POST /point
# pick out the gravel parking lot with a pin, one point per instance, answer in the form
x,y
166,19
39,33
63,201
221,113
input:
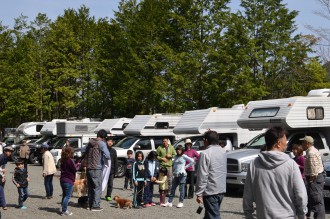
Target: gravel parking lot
x,y
40,208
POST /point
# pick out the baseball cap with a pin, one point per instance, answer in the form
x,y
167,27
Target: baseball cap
x,y
44,145
308,139
8,148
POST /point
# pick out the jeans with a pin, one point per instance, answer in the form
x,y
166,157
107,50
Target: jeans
x,y
2,197
212,205
148,192
48,181
315,197
94,182
178,181
23,194
66,195
110,184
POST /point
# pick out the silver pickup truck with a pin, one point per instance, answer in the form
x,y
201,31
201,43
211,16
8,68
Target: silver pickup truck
x,y
239,160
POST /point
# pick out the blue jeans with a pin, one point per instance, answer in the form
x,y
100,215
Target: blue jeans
x,y
23,194
94,182
181,182
2,196
48,181
212,205
66,195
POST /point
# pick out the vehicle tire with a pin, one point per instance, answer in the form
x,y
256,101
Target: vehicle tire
x,y
121,168
33,159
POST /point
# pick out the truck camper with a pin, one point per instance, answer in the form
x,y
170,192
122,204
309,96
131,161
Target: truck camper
x,y
221,120
145,133
300,116
77,132
49,136
114,128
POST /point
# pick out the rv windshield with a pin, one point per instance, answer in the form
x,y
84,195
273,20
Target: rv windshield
x,y
42,140
257,142
60,143
126,142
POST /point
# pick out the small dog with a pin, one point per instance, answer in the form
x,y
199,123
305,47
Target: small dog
x,y
83,202
123,203
80,186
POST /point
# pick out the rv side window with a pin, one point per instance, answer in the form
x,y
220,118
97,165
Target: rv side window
x,y
145,144
315,113
161,125
264,112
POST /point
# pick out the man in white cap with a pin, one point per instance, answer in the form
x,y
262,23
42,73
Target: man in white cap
x,y
314,178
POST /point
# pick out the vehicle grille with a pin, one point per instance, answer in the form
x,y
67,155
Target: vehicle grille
x,y
232,165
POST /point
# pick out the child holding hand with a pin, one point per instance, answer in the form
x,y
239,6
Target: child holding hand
x,y
163,185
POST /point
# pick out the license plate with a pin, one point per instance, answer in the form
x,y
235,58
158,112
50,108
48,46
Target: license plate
x,y
326,193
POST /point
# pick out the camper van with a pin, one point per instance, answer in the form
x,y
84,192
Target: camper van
x,y
145,133
26,131
114,128
49,136
78,132
300,116
221,120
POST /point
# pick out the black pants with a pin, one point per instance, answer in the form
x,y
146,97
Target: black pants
x,y
128,179
315,197
25,163
138,192
189,191
110,184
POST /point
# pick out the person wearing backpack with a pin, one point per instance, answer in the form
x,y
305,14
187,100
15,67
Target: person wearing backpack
x,y
96,151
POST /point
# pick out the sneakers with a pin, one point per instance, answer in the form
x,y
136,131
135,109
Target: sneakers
x,y
163,205
97,209
168,204
4,208
179,205
23,207
147,205
66,213
153,204
108,198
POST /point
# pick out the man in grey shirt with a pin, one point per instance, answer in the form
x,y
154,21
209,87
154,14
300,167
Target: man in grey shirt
x,y
211,176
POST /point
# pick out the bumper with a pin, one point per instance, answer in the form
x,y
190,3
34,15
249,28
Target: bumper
x,y
236,179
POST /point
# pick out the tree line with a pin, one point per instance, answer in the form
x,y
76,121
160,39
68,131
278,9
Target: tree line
x,y
161,56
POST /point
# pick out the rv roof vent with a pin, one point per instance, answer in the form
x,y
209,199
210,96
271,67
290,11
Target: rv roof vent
x,y
319,93
238,106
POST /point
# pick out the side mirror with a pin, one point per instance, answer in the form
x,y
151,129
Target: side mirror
x,y
136,147
243,145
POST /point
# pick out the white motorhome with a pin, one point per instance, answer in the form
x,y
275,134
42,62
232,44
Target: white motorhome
x,y
145,133
48,135
27,131
300,116
78,132
114,128
221,120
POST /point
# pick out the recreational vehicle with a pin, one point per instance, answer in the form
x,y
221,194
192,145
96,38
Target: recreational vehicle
x,y
114,128
49,136
77,132
221,120
300,116
145,133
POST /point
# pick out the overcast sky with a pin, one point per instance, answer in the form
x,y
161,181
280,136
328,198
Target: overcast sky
x,y
11,9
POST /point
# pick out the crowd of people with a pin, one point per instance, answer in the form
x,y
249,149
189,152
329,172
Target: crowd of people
x,y
276,186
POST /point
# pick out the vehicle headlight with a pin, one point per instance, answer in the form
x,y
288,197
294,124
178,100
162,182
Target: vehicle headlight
x,y
245,167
